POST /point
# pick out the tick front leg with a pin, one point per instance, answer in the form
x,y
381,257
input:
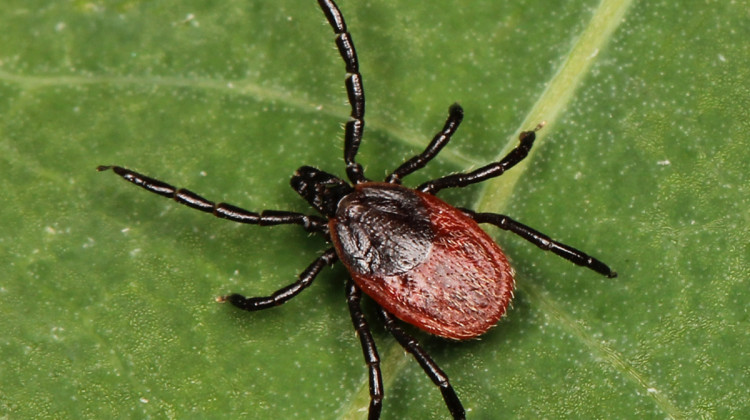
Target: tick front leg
x,y
284,294
220,210
354,90
431,368
543,241
353,297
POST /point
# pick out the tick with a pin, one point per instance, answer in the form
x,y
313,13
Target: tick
x,y
422,261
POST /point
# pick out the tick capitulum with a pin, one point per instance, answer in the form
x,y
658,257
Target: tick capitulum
x,y
420,259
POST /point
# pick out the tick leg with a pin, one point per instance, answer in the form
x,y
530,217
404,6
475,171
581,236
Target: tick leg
x,y
354,89
353,297
486,172
455,116
285,293
439,377
542,241
220,210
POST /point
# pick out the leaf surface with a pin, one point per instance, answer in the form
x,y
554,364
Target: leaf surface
x,y
107,298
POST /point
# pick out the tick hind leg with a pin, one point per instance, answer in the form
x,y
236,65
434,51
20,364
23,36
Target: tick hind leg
x,y
542,241
526,140
220,210
455,116
353,297
285,293
431,368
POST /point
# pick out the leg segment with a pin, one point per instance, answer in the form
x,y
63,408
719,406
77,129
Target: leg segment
x,y
486,172
542,241
354,89
455,116
284,294
220,210
439,377
353,297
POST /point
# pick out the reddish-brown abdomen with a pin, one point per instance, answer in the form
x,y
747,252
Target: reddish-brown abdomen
x,y
456,282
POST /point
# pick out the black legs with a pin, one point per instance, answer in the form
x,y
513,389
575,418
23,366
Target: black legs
x,y
409,343
432,370
356,124
542,241
526,140
220,210
486,172
353,297
455,116
354,90
284,294
369,349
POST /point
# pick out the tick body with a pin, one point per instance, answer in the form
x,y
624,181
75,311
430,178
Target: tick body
x,y
421,260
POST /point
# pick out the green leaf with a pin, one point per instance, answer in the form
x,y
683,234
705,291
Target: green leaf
x,y
107,299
